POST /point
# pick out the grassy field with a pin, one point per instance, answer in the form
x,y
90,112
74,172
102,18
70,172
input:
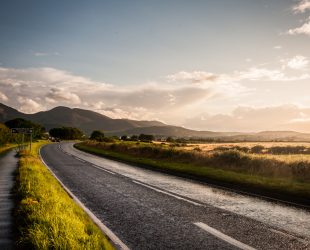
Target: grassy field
x,y
46,217
254,171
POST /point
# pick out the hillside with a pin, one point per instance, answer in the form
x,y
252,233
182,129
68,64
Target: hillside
x,y
176,131
86,120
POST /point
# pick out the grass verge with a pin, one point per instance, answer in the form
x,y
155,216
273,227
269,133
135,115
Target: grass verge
x,y
6,147
276,187
46,217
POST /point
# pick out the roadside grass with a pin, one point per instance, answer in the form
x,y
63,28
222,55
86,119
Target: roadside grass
x,y
45,215
4,148
230,167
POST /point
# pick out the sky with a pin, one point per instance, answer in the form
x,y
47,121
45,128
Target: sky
x,y
226,65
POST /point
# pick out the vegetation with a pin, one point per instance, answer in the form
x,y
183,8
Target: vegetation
x,y
38,130
229,166
97,135
46,216
5,135
146,138
66,133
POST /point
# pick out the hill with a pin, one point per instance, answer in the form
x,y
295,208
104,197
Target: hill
x,y
86,120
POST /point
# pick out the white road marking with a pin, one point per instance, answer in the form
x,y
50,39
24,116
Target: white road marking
x,y
223,237
79,159
161,191
95,166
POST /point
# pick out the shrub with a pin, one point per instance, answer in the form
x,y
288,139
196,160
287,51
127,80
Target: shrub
x,y
97,135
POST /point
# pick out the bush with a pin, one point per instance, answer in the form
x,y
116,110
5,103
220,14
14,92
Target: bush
x,y
258,149
66,133
97,135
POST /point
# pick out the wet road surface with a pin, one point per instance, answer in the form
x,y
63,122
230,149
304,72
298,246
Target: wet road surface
x,y
150,210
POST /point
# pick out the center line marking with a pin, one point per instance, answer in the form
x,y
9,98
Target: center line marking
x,y
95,166
175,196
79,159
223,237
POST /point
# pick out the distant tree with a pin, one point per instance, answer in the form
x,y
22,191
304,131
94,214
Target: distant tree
x,y
124,137
134,138
66,133
38,129
5,134
146,138
170,139
97,135
258,149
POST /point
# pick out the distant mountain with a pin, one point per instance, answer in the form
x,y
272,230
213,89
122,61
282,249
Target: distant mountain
x,y
88,121
175,131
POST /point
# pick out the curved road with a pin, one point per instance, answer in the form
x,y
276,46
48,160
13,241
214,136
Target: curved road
x,y
142,209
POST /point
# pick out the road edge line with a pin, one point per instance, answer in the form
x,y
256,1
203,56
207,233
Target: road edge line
x,y
116,242
223,236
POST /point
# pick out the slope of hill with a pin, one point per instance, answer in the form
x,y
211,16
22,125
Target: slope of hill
x,y
84,119
168,130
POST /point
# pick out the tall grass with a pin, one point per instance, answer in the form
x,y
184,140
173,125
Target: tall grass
x,y
46,217
230,166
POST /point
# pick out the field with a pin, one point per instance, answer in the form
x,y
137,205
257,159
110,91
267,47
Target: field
x,y
281,175
46,217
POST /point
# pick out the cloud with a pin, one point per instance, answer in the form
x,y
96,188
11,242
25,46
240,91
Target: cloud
x,y
3,97
182,94
304,29
42,54
28,105
194,76
298,62
302,6
249,119
251,74
278,47
59,94
56,87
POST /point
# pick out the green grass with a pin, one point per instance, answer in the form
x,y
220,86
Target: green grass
x,y
220,168
46,217
4,148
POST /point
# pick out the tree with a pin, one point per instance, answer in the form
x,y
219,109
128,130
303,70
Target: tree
x,y
146,138
134,138
38,130
124,137
5,134
97,135
66,133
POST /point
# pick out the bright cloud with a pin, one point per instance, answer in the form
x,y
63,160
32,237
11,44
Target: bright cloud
x,y
28,105
249,119
195,76
298,62
60,94
302,6
3,97
55,87
304,29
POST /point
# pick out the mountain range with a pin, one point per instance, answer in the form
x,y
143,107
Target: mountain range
x,y
88,121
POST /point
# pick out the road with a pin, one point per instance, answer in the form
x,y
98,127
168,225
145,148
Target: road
x,y
151,210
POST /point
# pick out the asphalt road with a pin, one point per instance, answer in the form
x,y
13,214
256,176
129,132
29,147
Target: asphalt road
x,y
145,216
